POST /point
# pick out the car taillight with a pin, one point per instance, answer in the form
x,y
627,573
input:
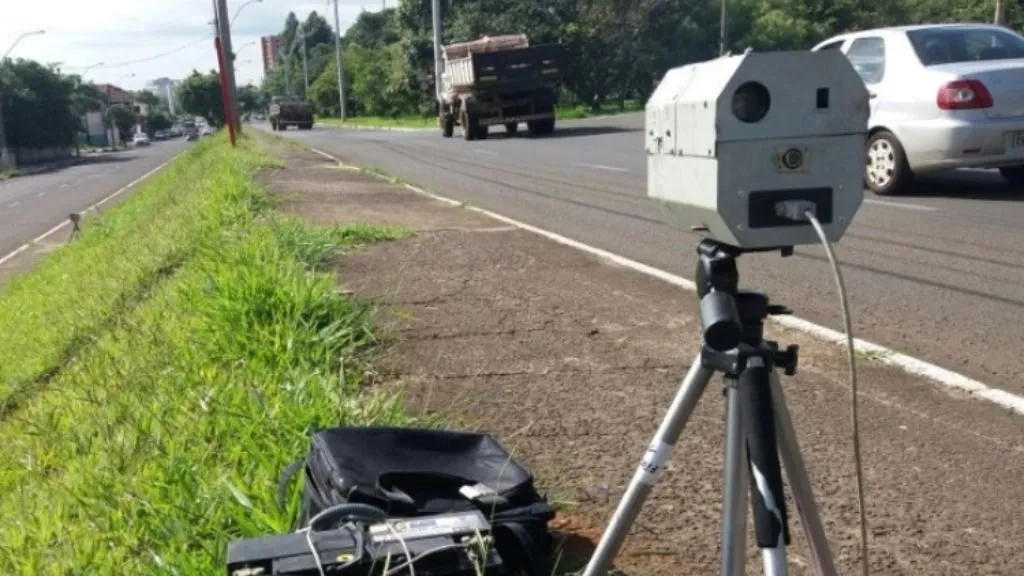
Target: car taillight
x,y
964,95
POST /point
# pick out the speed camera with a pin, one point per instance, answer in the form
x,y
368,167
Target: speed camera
x,y
741,146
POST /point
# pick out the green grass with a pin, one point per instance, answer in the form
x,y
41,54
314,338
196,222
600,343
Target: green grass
x,y
430,122
158,373
7,174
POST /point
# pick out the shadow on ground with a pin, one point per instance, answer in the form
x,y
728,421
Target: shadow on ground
x,y
574,544
85,159
583,131
966,184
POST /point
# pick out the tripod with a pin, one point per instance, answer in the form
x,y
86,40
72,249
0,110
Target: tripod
x,y
759,430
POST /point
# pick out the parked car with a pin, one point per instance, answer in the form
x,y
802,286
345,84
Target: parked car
x,y
943,96
140,139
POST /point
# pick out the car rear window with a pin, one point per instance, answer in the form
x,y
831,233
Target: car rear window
x,y
936,46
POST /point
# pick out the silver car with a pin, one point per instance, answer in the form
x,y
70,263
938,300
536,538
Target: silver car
x,y
943,96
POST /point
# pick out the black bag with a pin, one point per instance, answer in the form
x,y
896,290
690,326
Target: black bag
x,y
411,472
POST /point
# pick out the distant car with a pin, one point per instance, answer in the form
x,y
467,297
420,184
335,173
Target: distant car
x,y
140,139
943,96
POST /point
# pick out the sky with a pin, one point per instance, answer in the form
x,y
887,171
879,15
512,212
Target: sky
x,y
141,40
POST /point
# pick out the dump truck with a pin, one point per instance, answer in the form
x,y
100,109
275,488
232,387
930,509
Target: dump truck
x,y
287,111
498,80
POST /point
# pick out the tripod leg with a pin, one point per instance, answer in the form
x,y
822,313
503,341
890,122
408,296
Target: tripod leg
x,y
800,484
767,499
651,466
734,500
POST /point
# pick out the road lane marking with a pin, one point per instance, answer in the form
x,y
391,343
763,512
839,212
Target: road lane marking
x,y
65,223
41,194
488,152
599,167
13,204
903,205
909,364
64,185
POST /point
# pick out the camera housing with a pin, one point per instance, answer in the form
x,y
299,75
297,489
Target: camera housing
x,y
739,146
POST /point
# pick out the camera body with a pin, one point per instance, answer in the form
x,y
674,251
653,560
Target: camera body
x,y
734,142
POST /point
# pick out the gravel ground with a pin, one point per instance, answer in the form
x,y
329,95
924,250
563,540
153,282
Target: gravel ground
x,y
571,362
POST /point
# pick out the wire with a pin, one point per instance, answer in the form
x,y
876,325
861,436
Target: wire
x,y
852,357
408,563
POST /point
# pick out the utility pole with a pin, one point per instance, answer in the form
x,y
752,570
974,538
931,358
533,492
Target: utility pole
x,y
1000,18
305,69
224,34
723,32
337,57
438,63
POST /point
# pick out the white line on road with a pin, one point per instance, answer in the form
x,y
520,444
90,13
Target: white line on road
x,y
488,152
41,194
63,224
13,204
64,185
909,364
599,167
904,205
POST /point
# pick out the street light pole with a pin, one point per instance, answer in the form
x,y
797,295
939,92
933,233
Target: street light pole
x,y
19,39
337,57
7,160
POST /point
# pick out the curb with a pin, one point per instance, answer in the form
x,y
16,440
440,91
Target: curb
x,y
908,364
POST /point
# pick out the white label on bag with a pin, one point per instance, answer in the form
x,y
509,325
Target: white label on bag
x,y
654,461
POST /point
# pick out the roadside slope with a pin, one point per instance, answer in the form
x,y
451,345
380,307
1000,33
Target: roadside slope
x,y
158,373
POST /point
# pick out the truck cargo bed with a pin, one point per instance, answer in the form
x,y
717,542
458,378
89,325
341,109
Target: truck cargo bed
x,y
515,70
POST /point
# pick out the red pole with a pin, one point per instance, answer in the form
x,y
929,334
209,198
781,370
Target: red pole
x,y
228,112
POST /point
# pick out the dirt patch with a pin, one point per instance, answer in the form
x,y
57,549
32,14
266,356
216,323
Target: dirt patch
x,y
572,362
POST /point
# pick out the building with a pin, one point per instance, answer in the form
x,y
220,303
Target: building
x,y
269,45
116,95
165,89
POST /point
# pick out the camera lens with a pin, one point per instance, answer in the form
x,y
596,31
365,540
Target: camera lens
x,y
751,102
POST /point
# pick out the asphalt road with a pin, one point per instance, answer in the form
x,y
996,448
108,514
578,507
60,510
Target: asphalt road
x,y
31,205
938,274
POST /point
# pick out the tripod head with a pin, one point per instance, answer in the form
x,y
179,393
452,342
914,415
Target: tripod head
x,y
729,315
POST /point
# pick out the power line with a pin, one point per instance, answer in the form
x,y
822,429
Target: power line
x,y
150,58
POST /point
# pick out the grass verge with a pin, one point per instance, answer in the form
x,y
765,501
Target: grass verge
x,y
157,374
416,122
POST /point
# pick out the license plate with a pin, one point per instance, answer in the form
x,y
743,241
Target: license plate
x,y
1017,141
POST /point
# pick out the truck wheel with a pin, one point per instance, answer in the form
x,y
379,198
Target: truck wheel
x,y
541,127
447,126
470,126
482,132
512,128
273,126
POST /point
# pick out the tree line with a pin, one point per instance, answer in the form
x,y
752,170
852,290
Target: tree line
x,y
615,50
45,108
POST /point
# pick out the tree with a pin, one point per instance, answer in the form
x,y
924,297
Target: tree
x,y
37,105
147,97
157,121
200,95
251,99
122,118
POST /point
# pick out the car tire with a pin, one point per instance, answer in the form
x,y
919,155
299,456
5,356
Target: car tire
x,y
1014,175
886,171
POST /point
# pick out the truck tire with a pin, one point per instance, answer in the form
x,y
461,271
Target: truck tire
x,y
541,127
447,126
273,126
470,126
482,132
512,128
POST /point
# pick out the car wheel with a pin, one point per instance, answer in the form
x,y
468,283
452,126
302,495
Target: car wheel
x,y
1014,175
887,171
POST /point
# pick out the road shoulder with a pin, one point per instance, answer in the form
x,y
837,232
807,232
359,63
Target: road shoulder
x,y
572,361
